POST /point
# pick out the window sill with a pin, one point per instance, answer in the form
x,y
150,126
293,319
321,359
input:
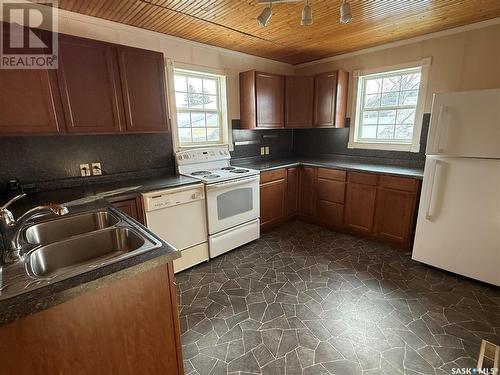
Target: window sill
x,y
384,146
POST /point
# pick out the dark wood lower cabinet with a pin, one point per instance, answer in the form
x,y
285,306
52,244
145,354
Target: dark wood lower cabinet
x,y
378,207
307,193
130,326
394,215
272,202
292,191
131,206
360,207
330,214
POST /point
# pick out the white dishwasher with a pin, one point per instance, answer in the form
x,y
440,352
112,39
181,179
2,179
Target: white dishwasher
x,y
178,216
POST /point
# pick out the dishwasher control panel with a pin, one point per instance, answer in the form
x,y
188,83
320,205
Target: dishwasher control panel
x,y
172,197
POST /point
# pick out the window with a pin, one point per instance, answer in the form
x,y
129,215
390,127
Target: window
x,y
200,108
389,109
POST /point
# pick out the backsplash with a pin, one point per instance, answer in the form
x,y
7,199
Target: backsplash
x,y
46,159
279,141
307,142
319,142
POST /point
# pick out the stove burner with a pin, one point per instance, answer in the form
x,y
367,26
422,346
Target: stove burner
x,y
228,168
210,176
240,171
201,173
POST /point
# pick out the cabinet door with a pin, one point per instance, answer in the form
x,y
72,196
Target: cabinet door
x,y
272,201
394,216
298,101
270,102
89,83
144,91
325,89
330,214
307,200
292,190
332,191
131,207
360,207
29,102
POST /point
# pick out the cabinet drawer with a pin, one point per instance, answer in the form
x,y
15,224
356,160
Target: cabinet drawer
x,y
331,214
331,191
331,174
363,178
273,175
398,183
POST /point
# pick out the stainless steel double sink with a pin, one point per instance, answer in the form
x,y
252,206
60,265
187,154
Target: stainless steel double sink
x,y
69,245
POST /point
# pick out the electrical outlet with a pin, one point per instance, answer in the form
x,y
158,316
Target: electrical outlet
x,y
267,150
262,150
96,169
85,170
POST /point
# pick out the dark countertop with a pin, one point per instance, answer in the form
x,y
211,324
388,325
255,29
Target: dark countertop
x,y
85,194
80,199
340,162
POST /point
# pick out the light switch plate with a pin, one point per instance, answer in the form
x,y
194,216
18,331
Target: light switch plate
x,y
85,170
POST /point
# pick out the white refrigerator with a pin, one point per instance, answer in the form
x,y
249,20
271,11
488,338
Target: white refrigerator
x,y
458,224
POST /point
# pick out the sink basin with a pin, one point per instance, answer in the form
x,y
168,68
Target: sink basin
x,y
68,226
83,251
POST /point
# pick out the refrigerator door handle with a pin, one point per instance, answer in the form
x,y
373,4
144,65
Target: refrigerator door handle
x,y
442,130
430,205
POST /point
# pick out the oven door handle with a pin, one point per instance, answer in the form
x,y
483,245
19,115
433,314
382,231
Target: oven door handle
x,y
225,184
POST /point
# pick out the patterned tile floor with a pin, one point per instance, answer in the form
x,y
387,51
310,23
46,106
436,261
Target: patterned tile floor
x,y
307,300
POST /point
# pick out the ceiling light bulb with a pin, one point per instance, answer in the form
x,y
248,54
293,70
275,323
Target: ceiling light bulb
x,y
307,15
265,16
345,12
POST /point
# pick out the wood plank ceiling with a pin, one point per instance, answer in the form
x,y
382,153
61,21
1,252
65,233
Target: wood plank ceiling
x,y
232,23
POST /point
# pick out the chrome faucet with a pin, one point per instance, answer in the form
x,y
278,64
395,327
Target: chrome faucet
x,y
10,229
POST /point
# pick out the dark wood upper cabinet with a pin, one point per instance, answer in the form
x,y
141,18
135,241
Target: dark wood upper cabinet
x,y
299,101
98,87
261,100
270,101
330,99
90,86
143,85
29,102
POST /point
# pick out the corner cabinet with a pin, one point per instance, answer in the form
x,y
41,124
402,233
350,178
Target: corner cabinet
x,y
270,101
330,99
99,87
261,100
374,206
299,101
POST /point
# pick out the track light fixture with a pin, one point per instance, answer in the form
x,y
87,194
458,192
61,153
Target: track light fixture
x,y
345,12
265,15
307,15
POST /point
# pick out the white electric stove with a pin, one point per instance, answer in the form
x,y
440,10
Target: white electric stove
x,y
233,206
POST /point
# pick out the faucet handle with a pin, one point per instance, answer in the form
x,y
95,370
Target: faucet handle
x,y
16,198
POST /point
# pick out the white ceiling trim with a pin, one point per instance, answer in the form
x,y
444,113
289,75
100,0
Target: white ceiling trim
x,y
437,34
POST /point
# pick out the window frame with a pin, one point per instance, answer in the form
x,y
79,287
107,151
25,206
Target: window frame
x,y
357,100
221,106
